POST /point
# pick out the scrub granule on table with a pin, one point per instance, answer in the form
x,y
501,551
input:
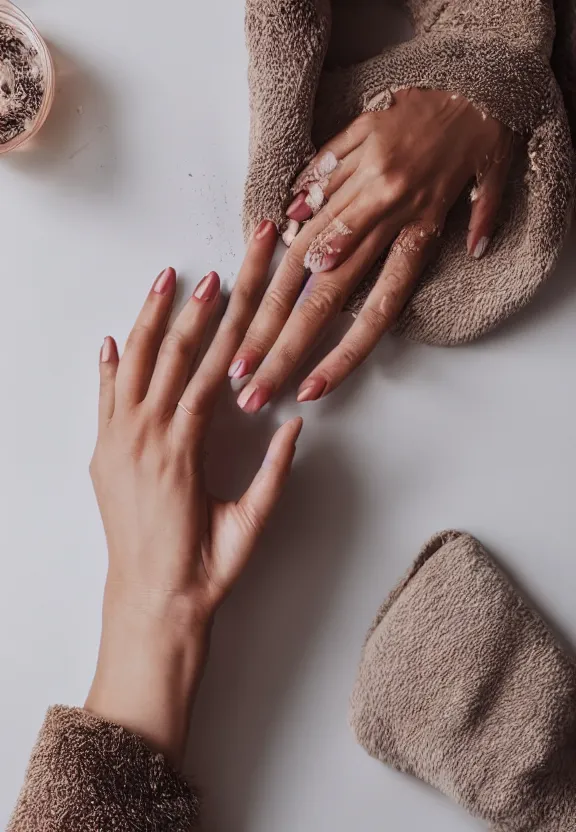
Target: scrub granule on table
x,y
22,83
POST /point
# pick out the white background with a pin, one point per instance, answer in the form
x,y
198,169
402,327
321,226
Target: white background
x,y
141,166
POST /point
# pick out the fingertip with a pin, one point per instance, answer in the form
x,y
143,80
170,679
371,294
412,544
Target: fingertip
x,y
165,282
266,230
299,210
208,288
108,350
294,427
311,390
283,444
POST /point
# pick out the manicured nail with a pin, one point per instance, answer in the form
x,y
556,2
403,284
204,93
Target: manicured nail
x,y
251,400
208,287
316,198
319,262
291,232
265,227
164,281
327,164
299,210
106,351
481,247
310,391
238,369
276,445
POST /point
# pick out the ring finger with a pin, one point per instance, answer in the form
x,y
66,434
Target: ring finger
x,y
181,346
321,300
408,257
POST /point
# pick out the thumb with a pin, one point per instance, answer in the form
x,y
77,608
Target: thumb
x,y
264,492
486,199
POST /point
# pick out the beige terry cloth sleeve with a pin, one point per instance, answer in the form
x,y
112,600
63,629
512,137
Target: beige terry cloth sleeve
x,y
496,54
89,775
463,685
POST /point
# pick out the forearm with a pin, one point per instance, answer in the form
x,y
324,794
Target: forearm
x,y
151,659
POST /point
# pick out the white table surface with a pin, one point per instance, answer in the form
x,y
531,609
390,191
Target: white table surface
x,y
142,165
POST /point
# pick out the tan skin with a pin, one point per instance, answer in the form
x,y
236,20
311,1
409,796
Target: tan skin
x,y
395,175
175,551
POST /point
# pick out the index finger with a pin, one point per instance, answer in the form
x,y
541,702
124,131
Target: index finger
x,y
200,395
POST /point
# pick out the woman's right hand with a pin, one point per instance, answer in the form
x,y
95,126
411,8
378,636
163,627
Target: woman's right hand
x,y
174,550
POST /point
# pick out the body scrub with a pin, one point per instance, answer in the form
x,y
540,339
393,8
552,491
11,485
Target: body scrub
x,y
26,79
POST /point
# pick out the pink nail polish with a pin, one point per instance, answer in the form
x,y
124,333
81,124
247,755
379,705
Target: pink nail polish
x,y
318,263
265,228
238,369
106,351
208,287
299,209
164,281
480,248
252,400
310,391
290,233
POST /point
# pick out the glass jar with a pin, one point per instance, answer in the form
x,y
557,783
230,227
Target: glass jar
x,y
11,15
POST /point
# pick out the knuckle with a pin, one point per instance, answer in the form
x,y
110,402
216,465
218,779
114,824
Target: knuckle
x,y
255,345
275,302
243,295
366,122
351,354
141,332
377,319
175,344
252,520
395,187
325,300
288,356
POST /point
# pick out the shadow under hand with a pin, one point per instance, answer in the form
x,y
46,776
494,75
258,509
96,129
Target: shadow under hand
x,y
76,143
265,631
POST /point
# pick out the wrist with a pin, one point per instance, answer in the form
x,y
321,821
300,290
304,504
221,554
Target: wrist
x,y
151,659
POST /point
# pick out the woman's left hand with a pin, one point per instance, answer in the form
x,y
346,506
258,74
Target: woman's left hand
x,y
390,178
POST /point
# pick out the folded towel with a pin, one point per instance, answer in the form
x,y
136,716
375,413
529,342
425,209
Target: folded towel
x,y
463,685
495,54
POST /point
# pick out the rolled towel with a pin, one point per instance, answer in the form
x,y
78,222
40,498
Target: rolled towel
x,y
463,685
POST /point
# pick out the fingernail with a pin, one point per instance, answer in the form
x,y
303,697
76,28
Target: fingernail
x,y
481,247
295,204
263,229
318,262
208,287
106,351
291,232
238,369
299,210
316,198
164,281
272,452
251,400
327,164
310,391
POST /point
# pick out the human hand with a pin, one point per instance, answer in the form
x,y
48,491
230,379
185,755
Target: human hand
x,y
390,178
174,550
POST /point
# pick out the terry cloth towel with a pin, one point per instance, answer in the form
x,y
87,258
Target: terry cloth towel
x,y
496,54
88,775
462,685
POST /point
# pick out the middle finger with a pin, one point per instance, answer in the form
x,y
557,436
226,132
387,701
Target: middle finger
x,y
321,300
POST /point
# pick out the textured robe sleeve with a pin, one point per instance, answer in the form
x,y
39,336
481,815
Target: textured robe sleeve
x,y
89,775
496,54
